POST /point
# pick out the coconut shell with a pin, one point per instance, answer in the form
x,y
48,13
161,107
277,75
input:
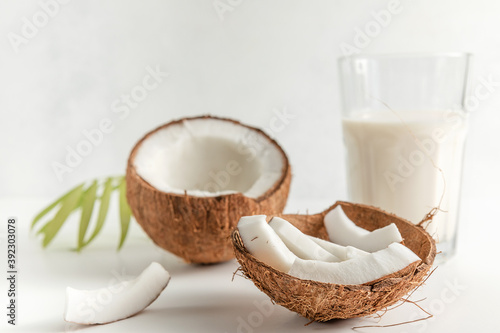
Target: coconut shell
x,y
198,229
319,301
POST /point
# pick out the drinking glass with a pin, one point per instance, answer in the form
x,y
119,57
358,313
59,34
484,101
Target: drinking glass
x,y
404,124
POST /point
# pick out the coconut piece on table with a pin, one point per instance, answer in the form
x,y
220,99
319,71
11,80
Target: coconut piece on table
x,y
341,230
342,252
264,244
299,243
122,300
358,270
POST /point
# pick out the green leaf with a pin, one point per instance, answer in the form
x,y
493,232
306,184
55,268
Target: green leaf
x,y
124,213
47,225
68,205
87,205
52,206
79,197
103,209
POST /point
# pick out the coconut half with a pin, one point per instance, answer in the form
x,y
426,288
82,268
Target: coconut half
x,y
190,181
319,301
116,302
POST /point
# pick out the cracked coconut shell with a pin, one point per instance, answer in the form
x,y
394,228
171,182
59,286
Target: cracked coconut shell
x,y
325,301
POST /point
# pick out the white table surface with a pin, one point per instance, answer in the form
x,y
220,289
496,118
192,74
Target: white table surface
x,y
462,294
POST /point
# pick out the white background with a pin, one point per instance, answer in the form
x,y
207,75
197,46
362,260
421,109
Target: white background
x,y
257,59
264,56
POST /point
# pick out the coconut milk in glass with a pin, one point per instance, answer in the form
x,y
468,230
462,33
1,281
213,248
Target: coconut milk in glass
x,y
404,126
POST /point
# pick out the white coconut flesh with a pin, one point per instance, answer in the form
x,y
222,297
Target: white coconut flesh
x,y
300,244
264,244
270,244
341,252
341,230
116,302
358,270
209,157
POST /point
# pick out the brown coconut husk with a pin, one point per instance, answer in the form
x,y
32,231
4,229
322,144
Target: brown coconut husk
x,y
198,229
319,301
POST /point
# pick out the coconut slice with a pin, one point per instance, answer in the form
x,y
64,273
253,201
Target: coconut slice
x,y
343,231
342,252
261,240
359,270
190,181
116,302
319,301
287,249
299,243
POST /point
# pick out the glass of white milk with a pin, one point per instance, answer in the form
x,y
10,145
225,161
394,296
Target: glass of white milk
x,y
404,125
